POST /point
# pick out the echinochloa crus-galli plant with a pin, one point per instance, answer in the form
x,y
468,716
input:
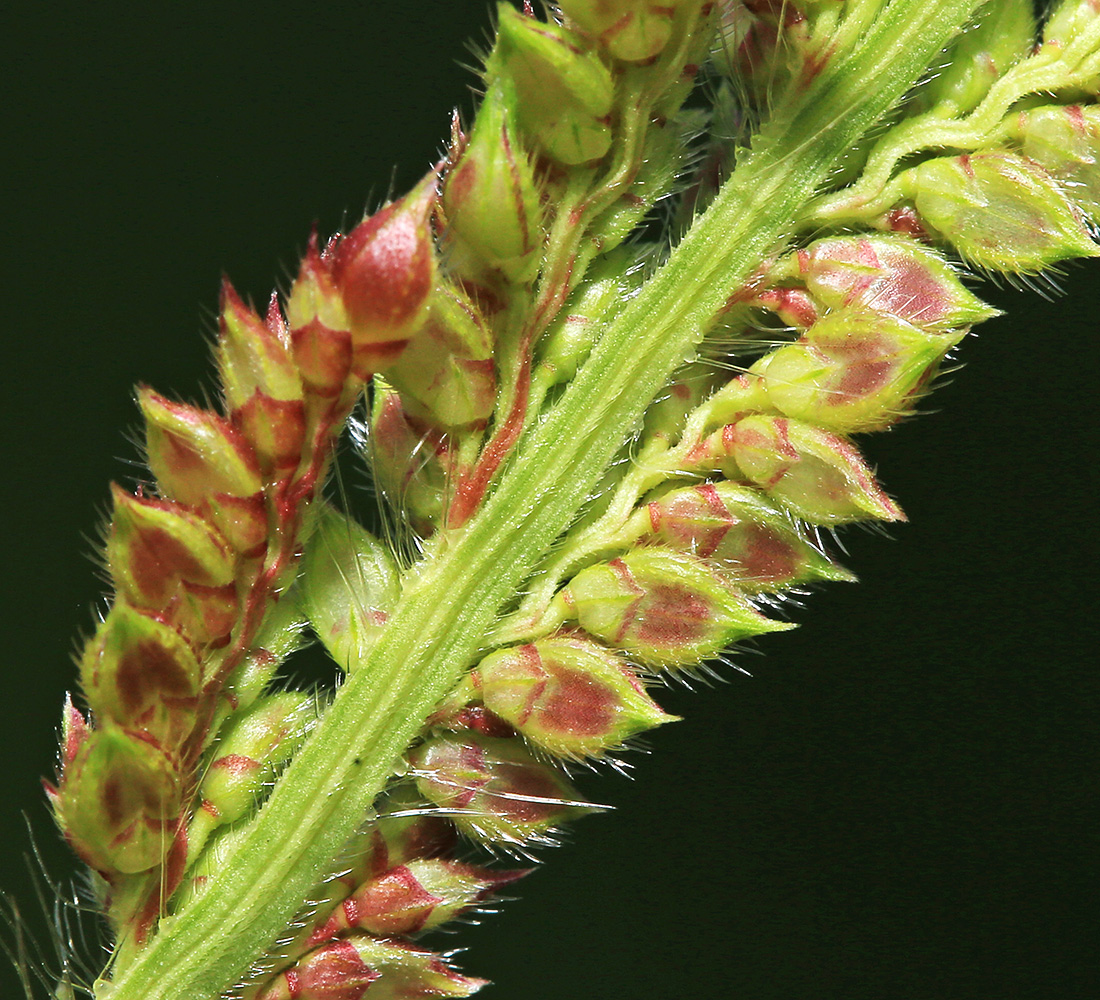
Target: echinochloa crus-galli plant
x,y
610,363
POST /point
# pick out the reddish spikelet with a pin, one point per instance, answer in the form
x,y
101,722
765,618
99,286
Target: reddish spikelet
x,y
195,454
119,800
253,353
384,270
263,389
393,841
319,327
853,370
202,461
668,608
817,475
567,695
207,614
142,674
738,530
276,429
894,275
332,972
154,545
348,968
417,896
74,731
498,792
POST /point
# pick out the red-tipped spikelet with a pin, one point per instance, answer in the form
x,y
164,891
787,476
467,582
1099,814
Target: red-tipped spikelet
x,y
567,695
360,965
408,898
320,333
493,789
384,271
262,386
817,475
889,274
668,608
852,370
195,454
142,674
201,460
119,800
154,546
750,539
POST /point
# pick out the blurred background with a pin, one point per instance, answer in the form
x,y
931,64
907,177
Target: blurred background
x,y
898,803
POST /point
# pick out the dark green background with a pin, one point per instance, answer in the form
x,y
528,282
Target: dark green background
x,y
898,804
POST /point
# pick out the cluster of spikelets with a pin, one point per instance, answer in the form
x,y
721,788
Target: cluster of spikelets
x,y
183,734
467,305
200,561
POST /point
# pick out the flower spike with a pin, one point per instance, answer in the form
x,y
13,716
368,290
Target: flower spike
x,y
603,433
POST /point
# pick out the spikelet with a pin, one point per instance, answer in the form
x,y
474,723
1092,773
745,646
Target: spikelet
x,y
999,211
391,970
494,789
753,540
567,695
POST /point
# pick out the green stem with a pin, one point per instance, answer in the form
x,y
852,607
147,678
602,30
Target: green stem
x,y
452,600
874,193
